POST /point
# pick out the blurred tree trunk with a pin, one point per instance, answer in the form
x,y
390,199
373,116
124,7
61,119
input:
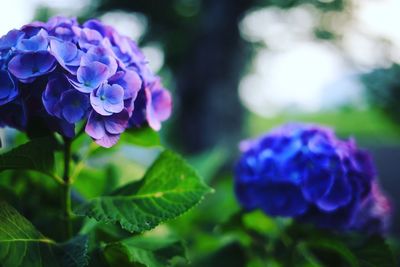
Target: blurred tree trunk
x,y
210,112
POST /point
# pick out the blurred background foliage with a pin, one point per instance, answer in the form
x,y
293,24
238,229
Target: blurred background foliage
x,y
239,68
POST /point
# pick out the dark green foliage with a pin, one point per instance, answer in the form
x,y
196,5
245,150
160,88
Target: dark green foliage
x,y
169,188
37,155
144,137
383,89
21,245
146,251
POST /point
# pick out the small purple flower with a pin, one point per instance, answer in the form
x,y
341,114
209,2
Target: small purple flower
x,y
304,171
108,99
31,65
106,130
8,87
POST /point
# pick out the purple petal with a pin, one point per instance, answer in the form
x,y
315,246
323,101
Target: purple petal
x,y
158,107
162,103
88,37
117,123
108,140
95,126
130,81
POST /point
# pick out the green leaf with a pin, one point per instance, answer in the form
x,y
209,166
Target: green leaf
x,y
331,248
74,252
375,253
168,189
37,155
261,223
336,247
147,251
21,245
145,137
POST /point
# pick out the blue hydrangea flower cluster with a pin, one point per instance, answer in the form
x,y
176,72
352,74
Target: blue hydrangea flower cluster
x,y
63,73
303,171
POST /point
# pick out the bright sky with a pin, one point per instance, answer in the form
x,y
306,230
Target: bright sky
x,y
296,72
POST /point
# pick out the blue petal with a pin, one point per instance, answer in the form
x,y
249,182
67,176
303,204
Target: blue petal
x,y
91,77
30,65
74,105
52,94
37,42
65,52
8,88
10,39
340,194
316,183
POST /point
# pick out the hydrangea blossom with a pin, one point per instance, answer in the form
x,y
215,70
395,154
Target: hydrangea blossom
x,y
64,73
304,171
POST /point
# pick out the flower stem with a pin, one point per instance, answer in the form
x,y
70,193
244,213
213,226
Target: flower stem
x,y
66,190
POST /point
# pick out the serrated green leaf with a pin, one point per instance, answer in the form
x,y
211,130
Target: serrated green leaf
x,y
147,251
21,245
37,155
145,137
168,189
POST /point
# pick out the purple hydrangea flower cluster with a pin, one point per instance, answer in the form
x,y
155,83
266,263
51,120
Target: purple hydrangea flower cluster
x,y
64,73
304,171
